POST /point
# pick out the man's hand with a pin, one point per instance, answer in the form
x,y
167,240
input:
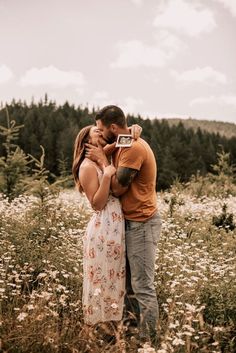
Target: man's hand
x,y
135,131
96,154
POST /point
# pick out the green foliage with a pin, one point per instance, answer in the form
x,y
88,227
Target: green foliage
x,y
39,185
225,177
175,198
20,173
221,182
224,220
65,176
223,128
180,151
14,164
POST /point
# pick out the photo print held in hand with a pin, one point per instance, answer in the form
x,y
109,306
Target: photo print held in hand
x,y
124,140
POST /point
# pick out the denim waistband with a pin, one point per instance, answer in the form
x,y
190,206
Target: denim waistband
x,y
128,222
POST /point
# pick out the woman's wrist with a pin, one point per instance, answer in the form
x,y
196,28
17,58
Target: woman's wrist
x,y
103,162
106,176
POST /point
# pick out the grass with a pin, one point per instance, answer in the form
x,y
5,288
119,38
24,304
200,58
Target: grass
x,y
41,278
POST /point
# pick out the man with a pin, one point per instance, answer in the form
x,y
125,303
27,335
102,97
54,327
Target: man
x,y
134,183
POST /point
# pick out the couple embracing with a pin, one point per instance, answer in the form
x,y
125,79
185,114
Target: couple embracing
x,y
121,238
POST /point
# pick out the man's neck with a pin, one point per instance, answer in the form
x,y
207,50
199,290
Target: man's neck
x,y
124,131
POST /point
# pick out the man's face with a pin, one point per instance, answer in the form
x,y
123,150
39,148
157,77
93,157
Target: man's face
x,y
107,133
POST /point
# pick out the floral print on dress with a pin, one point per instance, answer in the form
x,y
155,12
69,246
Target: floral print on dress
x,y
104,264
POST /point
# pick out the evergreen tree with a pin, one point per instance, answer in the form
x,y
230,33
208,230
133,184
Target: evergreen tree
x,y
14,164
180,152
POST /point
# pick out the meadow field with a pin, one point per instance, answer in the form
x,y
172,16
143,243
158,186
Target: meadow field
x,y
41,276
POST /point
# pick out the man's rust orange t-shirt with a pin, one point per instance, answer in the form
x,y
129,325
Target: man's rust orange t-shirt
x,y
139,202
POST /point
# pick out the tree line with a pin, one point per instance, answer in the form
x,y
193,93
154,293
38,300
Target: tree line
x,y
180,152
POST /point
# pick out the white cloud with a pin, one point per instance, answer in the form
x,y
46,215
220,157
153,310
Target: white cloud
x,y
135,53
203,100
5,74
101,95
229,100
216,100
137,2
207,75
131,105
230,5
185,17
51,76
100,99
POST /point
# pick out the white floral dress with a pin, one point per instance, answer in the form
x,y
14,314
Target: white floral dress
x,y
104,264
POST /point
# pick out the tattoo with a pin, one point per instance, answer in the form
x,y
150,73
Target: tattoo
x,y
125,175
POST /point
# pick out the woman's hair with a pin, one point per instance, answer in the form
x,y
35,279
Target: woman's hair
x,y
79,153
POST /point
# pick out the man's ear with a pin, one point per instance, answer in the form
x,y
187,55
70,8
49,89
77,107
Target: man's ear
x,y
113,128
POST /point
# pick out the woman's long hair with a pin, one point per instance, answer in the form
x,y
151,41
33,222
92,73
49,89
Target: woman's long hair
x,y
79,153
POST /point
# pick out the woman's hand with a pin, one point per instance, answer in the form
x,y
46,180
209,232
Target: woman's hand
x,y
109,171
135,131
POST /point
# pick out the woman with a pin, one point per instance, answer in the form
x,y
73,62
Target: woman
x,y
104,243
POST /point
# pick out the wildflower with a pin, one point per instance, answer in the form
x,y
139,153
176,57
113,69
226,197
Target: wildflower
x,y
174,325
41,275
190,307
97,292
215,343
146,349
178,342
22,316
218,329
30,307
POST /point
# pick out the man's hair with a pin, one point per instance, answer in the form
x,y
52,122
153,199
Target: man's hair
x,y
111,114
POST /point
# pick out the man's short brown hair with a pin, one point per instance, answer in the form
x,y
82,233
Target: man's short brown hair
x,y
111,114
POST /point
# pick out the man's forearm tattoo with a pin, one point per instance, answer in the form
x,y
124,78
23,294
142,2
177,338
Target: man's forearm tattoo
x,y
125,176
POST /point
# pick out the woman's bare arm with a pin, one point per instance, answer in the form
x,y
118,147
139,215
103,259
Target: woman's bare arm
x,y
96,194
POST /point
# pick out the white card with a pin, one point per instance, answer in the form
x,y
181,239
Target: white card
x,y
124,140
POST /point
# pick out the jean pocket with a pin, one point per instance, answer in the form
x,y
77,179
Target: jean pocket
x,y
156,231
132,225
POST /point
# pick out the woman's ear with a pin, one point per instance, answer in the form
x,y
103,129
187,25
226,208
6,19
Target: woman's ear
x,y
88,139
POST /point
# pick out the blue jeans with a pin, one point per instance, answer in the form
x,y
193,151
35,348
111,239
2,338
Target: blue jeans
x,y
141,300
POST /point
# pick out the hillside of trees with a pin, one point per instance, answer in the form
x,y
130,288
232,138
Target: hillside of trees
x,y
223,128
180,151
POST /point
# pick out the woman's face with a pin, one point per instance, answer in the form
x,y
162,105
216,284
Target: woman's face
x,y
95,137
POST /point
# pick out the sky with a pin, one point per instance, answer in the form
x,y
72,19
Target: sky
x,y
156,58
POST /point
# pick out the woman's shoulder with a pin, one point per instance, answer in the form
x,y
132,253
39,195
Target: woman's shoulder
x,y
88,165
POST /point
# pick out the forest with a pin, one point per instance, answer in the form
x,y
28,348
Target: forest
x,y
180,151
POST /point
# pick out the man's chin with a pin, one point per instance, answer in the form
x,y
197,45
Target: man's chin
x,y
111,139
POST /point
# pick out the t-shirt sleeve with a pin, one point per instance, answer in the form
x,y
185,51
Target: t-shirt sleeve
x,y
132,157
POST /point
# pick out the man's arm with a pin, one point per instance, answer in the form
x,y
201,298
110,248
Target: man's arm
x,y
122,180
